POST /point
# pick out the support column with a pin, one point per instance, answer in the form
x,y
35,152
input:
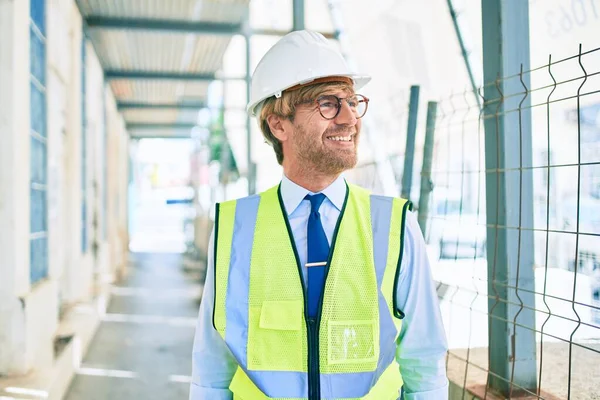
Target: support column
x,y
14,148
509,198
71,290
251,168
14,182
27,314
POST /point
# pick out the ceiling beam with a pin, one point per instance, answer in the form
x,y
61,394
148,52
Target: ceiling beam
x,y
277,32
157,75
159,126
185,26
114,74
133,105
182,26
159,136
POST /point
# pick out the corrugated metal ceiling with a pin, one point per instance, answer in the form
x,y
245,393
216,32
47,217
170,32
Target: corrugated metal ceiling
x,y
159,91
160,116
164,52
155,51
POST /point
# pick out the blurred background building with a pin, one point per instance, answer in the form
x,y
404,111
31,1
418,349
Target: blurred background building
x,y
122,122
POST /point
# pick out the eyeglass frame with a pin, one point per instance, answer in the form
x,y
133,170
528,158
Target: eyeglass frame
x,y
339,102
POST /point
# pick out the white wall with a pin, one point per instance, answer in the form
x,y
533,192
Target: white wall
x,y
29,314
14,182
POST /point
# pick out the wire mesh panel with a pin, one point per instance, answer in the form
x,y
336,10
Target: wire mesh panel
x,y
561,306
38,142
553,294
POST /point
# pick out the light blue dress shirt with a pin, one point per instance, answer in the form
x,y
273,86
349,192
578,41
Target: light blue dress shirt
x,y
421,350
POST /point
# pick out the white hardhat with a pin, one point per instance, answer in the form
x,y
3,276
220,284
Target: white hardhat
x,y
298,58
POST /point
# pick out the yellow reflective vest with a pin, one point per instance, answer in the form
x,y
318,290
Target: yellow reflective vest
x,y
348,351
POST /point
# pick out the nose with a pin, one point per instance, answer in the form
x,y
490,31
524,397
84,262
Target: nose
x,y
346,116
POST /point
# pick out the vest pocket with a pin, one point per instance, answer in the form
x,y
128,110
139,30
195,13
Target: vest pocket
x,y
351,342
275,336
281,315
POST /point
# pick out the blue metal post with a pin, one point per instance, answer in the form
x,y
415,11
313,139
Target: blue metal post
x,y
411,132
466,53
298,15
509,198
426,184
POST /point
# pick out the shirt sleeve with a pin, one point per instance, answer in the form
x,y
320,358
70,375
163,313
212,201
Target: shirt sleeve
x,y
213,366
422,345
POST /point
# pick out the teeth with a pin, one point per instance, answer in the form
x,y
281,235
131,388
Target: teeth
x,y
341,138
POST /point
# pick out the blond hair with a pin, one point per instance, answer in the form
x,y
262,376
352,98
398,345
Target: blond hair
x,y
285,107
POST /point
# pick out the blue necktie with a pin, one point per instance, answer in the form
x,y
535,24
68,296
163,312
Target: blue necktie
x,y
318,253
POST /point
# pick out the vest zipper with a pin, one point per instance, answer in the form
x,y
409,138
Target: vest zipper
x,y
314,378
313,324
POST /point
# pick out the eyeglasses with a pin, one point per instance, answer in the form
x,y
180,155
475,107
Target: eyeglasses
x,y
329,105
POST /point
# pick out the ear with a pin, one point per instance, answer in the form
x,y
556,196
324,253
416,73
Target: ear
x,y
278,127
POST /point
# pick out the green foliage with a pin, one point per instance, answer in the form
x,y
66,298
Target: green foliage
x,y
218,142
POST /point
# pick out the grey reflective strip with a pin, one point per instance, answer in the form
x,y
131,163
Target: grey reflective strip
x,y
295,384
236,303
347,386
281,384
381,218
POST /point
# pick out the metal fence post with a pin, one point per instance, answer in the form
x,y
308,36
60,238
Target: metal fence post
x,y
466,52
509,197
426,184
411,131
298,6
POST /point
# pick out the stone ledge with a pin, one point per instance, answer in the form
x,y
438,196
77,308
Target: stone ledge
x,y
478,392
584,384
73,337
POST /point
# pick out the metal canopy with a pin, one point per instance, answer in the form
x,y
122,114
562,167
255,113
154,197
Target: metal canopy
x,y
159,57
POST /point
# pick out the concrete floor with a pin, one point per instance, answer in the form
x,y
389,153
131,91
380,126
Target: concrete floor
x,y
142,349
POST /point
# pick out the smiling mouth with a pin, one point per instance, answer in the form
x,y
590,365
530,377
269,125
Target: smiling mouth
x,y
349,138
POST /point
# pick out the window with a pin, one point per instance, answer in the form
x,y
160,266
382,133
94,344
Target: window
x,y
39,144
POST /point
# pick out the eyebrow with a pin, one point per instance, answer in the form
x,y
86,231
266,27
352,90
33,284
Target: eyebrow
x,y
334,94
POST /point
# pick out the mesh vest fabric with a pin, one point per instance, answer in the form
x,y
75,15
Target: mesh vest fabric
x,y
260,304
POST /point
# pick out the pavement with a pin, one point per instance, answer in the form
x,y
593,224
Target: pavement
x,y
143,347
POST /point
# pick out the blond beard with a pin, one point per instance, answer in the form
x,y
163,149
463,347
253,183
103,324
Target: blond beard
x,y
321,158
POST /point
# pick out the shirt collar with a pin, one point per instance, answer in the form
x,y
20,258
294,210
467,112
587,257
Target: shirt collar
x,y
292,194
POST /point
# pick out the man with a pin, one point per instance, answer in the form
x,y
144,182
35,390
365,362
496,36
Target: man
x,y
316,289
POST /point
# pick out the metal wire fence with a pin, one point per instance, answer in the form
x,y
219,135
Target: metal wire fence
x,y
515,246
